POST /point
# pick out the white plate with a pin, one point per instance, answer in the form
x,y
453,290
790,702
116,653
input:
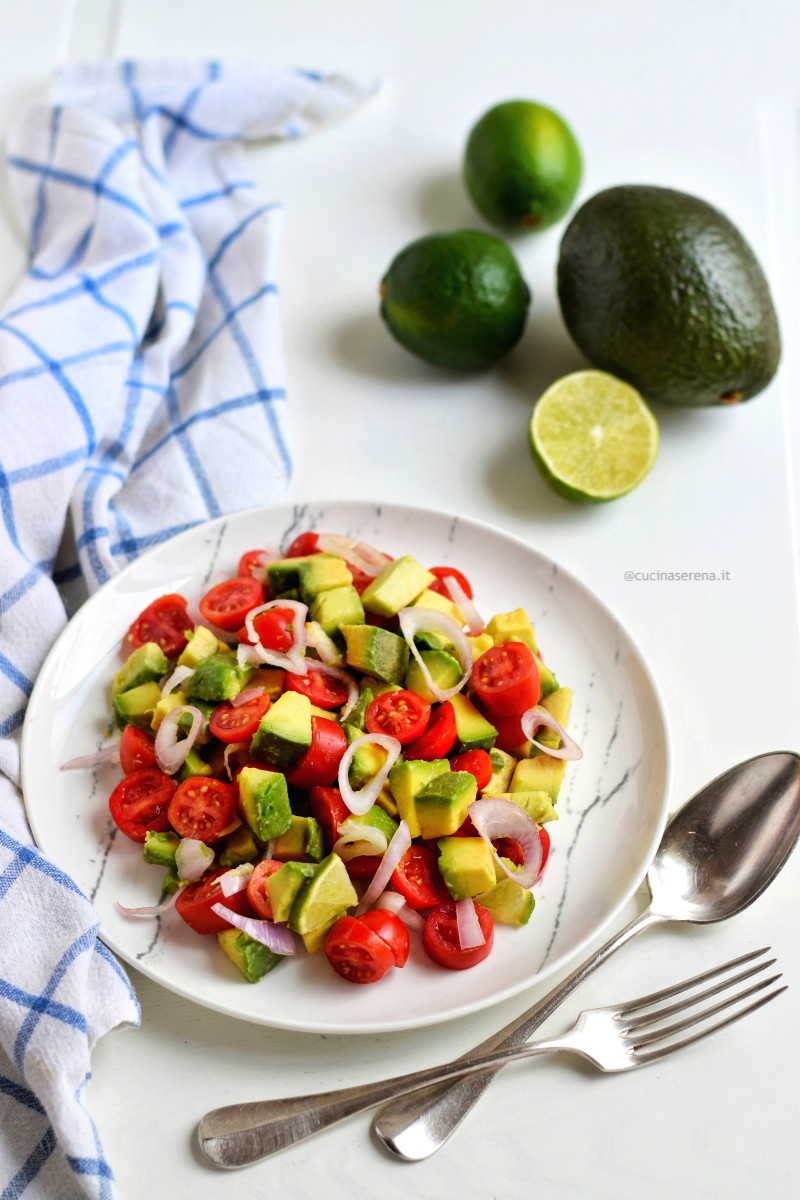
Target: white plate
x,y
612,806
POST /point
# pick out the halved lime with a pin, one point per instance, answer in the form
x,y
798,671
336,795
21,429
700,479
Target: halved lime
x,y
592,437
323,898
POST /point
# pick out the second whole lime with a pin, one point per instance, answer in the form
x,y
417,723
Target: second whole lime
x,y
456,299
522,166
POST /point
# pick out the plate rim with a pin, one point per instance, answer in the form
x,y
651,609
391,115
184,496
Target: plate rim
x,y
378,507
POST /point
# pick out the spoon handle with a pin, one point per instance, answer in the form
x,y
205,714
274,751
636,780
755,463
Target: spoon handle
x,y
415,1126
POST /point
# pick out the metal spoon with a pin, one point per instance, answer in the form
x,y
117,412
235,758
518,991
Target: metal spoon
x,y
718,853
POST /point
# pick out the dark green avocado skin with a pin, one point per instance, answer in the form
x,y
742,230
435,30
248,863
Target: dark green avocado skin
x,y
661,289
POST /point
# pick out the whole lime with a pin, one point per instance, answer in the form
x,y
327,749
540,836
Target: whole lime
x,y
522,166
456,299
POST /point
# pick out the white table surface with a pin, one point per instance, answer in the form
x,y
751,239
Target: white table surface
x,y
700,95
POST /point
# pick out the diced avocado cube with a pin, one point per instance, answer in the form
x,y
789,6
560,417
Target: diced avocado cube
x,y
136,706
445,671
283,886
253,958
283,575
324,897
217,678
185,720
264,802
302,841
426,639
558,704
193,764
159,848
443,802
284,733
502,769
540,774
376,651
397,586
385,800
480,643
514,626
466,865
321,572
315,939
406,779
336,607
202,644
270,678
547,680
322,644
381,689
508,903
357,713
439,603
378,819
538,805
172,881
473,731
365,763
165,705
145,665
239,847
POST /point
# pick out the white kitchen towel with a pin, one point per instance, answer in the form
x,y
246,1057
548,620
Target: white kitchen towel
x,y
141,391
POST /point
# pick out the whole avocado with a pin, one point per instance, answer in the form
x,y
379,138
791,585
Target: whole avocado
x,y
661,289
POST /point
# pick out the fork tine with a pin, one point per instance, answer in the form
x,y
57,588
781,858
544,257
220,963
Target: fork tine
x,y
687,984
660,1035
689,1001
661,1052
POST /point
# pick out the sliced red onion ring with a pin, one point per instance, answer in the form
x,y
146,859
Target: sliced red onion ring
x,y
361,801
401,840
394,902
417,619
496,818
326,647
530,722
291,660
470,933
246,696
344,677
231,748
176,679
107,754
277,938
474,621
365,558
197,619
356,839
235,880
148,910
171,753
192,859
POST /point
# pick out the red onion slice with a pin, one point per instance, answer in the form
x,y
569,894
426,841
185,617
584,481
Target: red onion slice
x,y
361,801
107,754
197,619
291,660
401,840
344,677
473,619
356,839
192,859
171,753
417,619
246,696
231,748
277,938
470,933
176,679
365,558
235,880
496,818
326,647
394,902
530,722
148,910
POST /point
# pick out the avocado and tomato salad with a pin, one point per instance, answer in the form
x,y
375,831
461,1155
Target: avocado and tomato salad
x,y
340,752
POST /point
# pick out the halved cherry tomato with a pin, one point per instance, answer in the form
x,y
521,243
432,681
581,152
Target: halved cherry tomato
x,y
440,736
509,730
329,810
416,877
363,866
390,623
238,722
507,679
319,765
251,566
227,604
545,840
256,886
140,802
303,544
202,808
440,938
165,621
136,750
356,953
509,848
275,629
477,762
195,901
402,715
323,690
389,926
440,586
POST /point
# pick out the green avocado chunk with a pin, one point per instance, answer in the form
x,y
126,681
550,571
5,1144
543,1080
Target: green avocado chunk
x,y
508,903
136,706
319,573
302,841
253,958
397,586
284,733
145,665
407,778
159,848
239,847
473,731
283,886
466,865
336,607
444,670
218,677
442,803
264,802
376,652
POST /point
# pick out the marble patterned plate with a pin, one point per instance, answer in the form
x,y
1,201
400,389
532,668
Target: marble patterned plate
x,y
612,807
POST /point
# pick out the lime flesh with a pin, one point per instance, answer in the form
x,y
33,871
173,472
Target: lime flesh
x,y
592,437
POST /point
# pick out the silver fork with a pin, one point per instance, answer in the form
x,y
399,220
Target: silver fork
x,y
618,1038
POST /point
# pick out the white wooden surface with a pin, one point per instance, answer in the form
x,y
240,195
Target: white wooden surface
x,y
700,95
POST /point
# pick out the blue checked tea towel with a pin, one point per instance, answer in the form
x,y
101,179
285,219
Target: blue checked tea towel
x,y
140,356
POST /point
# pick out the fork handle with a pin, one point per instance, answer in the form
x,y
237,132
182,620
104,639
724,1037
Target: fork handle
x,y
415,1126
240,1134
